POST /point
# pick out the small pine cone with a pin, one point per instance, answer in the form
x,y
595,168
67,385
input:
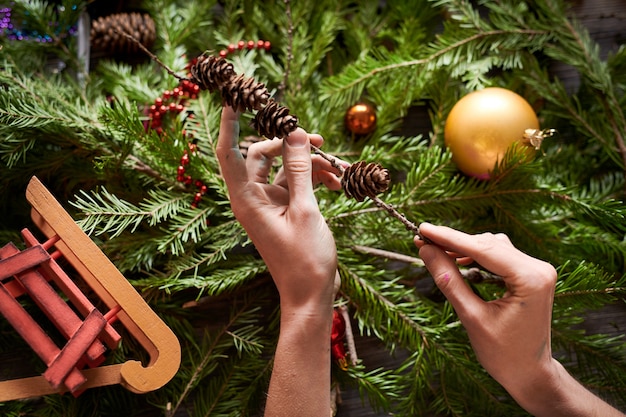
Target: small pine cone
x,y
211,73
274,121
243,93
246,142
363,179
106,33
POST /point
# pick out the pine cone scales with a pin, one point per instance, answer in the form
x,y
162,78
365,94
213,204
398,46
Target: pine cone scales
x,y
274,120
106,32
211,73
242,93
363,179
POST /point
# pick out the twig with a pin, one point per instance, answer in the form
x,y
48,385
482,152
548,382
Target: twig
x,y
329,158
394,256
283,83
395,213
333,161
151,55
380,203
354,359
473,274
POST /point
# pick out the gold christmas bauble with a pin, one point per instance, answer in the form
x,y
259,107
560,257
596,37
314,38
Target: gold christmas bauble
x,y
361,119
483,124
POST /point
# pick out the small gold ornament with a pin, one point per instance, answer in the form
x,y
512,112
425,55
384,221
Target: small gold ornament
x,y
535,137
482,126
361,119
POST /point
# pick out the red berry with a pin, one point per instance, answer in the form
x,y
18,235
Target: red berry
x,y
241,44
231,48
251,44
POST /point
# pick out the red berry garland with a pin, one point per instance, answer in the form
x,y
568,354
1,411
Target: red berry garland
x,y
241,45
175,101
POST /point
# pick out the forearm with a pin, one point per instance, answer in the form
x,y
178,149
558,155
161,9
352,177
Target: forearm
x,y
559,394
300,383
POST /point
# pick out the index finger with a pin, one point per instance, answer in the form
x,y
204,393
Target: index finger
x,y
232,162
495,254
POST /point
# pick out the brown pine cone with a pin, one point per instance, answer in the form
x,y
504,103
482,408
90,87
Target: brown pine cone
x,y
243,93
106,33
363,179
274,120
246,142
211,73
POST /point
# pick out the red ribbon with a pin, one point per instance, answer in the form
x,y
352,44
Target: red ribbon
x,y
337,347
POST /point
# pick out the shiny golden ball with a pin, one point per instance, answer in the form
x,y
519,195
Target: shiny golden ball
x,y
361,119
483,125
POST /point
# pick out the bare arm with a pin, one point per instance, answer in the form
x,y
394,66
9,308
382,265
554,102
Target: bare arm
x,y
285,224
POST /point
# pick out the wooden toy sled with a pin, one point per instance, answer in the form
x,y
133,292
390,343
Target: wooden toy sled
x,y
76,366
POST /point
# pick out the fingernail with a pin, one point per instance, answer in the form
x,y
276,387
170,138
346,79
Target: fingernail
x,y
297,139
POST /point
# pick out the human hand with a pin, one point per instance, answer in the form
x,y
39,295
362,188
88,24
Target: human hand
x,y
510,335
282,218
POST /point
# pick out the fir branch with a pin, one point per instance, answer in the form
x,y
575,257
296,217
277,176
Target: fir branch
x,y
218,241
212,349
106,213
361,294
187,227
215,282
352,81
380,385
586,284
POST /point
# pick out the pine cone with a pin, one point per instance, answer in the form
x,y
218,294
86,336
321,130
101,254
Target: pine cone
x,y
211,73
274,120
362,180
243,94
246,142
106,33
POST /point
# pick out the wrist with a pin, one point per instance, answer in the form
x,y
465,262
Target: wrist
x,y
541,386
553,392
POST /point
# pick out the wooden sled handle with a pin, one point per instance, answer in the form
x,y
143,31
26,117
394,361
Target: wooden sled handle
x,y
115,291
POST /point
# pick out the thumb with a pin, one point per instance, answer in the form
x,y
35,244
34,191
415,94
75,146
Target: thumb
x,y
298,167
450,281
